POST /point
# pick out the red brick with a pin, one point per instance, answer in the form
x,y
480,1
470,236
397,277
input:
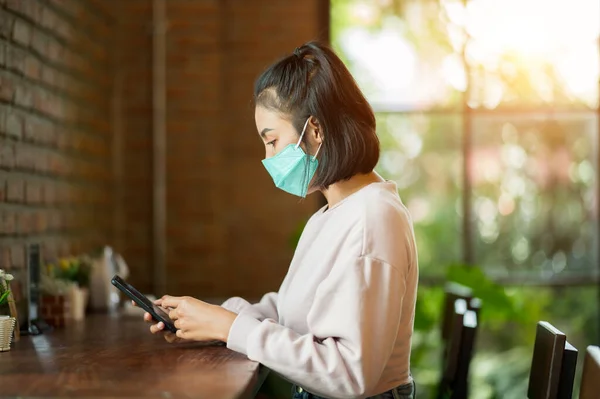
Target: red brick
x,y
8,223
54,220
16,5
33,192
49,195
15,190
37,131
50,106
39,12
40,162
39,42
64,249
14,125
15,59
49,75
2,54
40,222
24,222
5,257
6,24
7,89
22,32
53,310
24,96
32,68
50,20
7,155
49,249
63,29
58,3
29,8
54,51
25,157
17,256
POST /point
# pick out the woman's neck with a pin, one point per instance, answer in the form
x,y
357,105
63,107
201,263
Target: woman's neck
x,y
340,190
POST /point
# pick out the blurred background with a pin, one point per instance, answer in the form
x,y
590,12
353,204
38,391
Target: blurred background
x,y
130,123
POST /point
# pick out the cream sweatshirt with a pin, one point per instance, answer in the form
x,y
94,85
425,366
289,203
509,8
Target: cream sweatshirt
x,y
341,324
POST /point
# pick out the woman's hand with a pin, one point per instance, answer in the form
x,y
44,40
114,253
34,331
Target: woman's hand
x,y
196,320
155,328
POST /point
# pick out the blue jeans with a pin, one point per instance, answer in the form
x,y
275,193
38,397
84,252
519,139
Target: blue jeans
x,y
406,391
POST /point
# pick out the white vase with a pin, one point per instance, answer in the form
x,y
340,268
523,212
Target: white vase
x,y
77,302
7,326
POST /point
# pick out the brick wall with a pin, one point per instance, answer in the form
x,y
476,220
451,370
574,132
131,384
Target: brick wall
x,y
229,228
76,136
55,135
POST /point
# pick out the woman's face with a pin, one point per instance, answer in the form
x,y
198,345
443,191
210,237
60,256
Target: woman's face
x,y
277,132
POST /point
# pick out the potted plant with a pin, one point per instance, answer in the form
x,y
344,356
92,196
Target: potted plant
x,y
7,323
69,277
54,299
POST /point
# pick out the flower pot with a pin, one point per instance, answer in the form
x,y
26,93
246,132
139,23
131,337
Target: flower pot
x,y
53,309
7,326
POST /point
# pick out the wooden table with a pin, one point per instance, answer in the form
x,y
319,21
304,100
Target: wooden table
x,y
111,356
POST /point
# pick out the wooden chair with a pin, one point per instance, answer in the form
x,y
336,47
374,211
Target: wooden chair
x,y
460,344
590,380
552,365
452,292
566,380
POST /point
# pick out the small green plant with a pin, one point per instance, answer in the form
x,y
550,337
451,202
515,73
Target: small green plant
x,y
4,290
4,297
76,269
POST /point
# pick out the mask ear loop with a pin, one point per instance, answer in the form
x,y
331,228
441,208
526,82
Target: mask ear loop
x,y
315,156
302,135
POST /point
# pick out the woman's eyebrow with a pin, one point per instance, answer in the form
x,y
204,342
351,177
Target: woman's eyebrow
x,y
265,131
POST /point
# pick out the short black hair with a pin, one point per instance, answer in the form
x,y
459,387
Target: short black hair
x,y
313,81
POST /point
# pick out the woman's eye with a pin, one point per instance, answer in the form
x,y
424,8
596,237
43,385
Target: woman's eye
x,y
272,143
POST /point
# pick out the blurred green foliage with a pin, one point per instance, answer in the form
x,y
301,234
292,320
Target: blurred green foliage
x,y
532,185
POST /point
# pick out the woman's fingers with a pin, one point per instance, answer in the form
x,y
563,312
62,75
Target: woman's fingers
x,y
160,326
170,337
155,328
171,301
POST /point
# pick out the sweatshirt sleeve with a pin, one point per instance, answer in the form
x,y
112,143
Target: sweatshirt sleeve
x,y
265,309
353,324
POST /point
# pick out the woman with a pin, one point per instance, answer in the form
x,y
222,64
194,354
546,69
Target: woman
x,y
341,324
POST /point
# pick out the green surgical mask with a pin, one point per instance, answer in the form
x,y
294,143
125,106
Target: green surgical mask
x,y
289,170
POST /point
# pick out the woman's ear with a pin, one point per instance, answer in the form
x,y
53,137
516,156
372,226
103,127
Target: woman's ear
x,y
314,129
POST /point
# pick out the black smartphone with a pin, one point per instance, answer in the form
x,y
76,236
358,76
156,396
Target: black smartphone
x,y
143,302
